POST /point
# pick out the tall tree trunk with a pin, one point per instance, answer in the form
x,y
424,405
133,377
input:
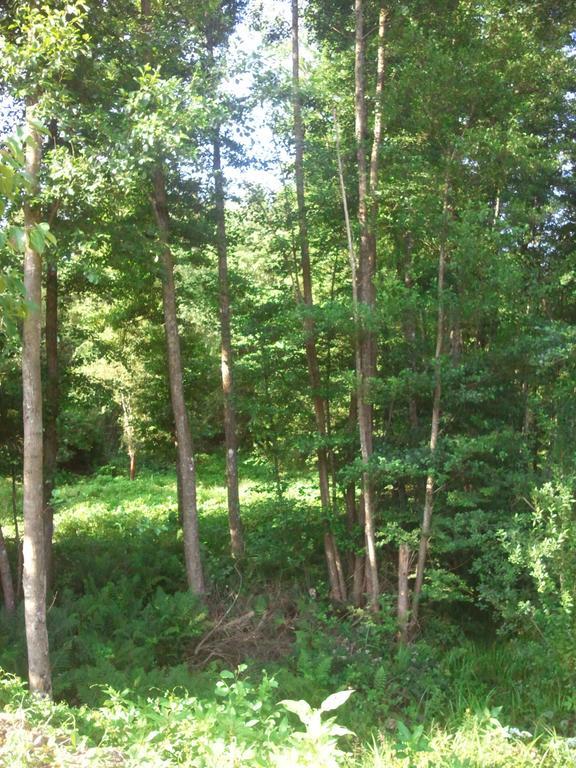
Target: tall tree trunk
x,y
51,410
409,329
19,555
184,447
367,214
434,430
128,434
328,392
403,607
226,362
34,580
359,583
528,416
359,568
333,560
179,489
6,578
456,337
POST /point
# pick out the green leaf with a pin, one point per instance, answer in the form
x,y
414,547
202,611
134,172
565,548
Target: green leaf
x,y
38,126
6,180
16,150
335,700
403,731
300,708
38,239
17,239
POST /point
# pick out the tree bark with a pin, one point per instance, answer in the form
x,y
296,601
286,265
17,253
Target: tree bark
x,y
367,213
184,447
128,433
179,490
403,607
6,578
528,416
19,555
359,584
456,336
51,410
333,560
409,329
359,567
34,579
186,469
434,430
226,362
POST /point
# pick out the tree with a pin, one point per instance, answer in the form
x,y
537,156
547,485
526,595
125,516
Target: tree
x,y
37,77
6,581
226,358
184,447
34,581
434,432
52,403
367,216
305,297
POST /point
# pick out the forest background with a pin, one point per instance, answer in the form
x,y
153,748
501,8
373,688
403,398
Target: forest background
x,y
316,420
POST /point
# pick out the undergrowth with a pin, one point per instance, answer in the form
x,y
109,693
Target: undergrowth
x,y
142,670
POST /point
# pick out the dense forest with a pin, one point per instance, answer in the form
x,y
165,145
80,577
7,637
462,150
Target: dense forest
x,y
288,383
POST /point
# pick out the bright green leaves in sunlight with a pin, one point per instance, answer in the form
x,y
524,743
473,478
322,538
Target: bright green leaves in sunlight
x,y
166,115
41,46
12,174
40,236
14,182
11,304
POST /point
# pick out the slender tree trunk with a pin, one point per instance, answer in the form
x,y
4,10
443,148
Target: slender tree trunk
x,y
456,339
328,394
403,610
410,336
333,560
435,428
129,436
184,447
367,212
351,515
528,416
34,580
185,454
6,578
226,362
497,203
360,562
359,569
51,410
19,553
179,489
409,329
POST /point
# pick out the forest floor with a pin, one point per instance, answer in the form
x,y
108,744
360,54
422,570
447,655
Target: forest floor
x,y
145,675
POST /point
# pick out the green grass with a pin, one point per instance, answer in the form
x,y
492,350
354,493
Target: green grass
x,y
142,670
